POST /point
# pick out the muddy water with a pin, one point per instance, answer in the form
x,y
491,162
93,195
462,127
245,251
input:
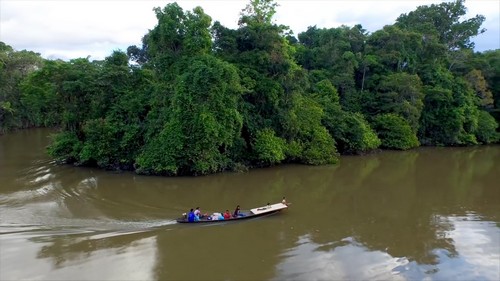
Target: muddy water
x,y
430,213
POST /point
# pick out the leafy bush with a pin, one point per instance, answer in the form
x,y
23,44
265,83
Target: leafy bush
x,y
320,149
395,132
353,134
486,131
101,143
65,147
269,148
440,122
161,154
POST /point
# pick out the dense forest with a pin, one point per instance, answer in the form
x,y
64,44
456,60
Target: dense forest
x,y
199,98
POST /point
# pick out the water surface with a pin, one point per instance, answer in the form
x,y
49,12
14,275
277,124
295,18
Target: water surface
x,y
425,214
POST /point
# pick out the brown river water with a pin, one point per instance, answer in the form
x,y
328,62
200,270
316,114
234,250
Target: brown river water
x,y
425,214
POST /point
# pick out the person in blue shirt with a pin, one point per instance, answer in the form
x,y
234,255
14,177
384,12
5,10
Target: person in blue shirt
x,y
191,216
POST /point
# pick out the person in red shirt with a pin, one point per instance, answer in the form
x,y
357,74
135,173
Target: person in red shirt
x,y
227,215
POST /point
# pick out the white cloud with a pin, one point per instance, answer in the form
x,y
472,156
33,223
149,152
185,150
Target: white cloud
x,y
70,29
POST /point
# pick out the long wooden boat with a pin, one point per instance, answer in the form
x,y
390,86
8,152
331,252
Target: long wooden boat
x,y
252,213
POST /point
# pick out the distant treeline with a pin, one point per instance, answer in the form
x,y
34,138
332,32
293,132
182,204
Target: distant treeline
x,y
199,98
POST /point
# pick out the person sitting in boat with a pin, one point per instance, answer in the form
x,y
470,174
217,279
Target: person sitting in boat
x,y
237,212
227,215
198,213
221,217
191,216
216,216
284,201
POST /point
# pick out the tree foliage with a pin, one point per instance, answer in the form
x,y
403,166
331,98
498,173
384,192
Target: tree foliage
x,y
443,21
269,148
395,132
198,97
487,128
203,124
15,66
353,133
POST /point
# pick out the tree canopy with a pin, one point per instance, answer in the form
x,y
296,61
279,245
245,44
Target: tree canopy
x,y
199,98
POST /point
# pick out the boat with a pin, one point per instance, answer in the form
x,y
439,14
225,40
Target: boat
x,y
252,213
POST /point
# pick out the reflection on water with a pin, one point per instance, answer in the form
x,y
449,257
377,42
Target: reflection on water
x,y
478,246
61,256
342,260
425,214
477,257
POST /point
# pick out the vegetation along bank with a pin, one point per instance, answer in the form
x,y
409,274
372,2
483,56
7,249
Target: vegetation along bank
x,y
199,98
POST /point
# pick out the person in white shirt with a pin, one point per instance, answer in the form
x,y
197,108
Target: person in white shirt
x,y
197,212
215,216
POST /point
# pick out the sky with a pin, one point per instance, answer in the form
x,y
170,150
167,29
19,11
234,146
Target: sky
x,y
68,29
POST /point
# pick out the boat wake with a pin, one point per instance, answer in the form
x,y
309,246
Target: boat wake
x,y
99,228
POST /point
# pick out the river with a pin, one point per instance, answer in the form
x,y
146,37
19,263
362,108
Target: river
x,y
424,214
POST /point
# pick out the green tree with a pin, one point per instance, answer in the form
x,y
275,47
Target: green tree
x,y
269,148
487,128
14,67
491,73
450,117
402,94
101,144
444,31
336,52
272,80
177,34
201,99
394,132
40,95
393,49
444,21
77,90
114,131
477,82
203,125
353,134
102,108
65,147
305,132
482,71
225,43
258,11
113,78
